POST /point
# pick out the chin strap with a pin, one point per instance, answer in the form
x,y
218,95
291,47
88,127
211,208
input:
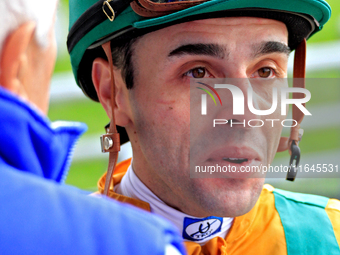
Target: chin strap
x,y
292,143
110,142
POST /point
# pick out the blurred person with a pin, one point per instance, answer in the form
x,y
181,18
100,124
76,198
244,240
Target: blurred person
x,y
39,215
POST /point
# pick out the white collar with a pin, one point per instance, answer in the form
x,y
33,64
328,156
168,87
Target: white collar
x,y
200,230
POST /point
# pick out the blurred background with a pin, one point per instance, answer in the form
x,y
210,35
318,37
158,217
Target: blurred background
x,y
320,143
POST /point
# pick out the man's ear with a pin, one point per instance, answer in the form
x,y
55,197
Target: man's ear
x,y
101,77
14,59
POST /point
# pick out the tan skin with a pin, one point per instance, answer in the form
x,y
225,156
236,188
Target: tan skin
x,y
26,67
156,112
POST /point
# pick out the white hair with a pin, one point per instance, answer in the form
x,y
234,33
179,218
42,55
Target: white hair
x,y
14,13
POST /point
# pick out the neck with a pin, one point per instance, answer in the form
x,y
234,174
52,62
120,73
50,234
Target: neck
x,y
195,229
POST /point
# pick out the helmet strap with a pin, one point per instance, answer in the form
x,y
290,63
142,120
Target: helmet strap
x,y
292,143
110,142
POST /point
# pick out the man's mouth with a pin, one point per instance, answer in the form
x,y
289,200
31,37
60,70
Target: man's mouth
x,y
236,160
233,155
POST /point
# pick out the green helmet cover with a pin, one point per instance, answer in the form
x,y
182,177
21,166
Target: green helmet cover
x,y
319,10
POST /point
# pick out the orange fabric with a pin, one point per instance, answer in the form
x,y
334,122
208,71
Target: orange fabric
x,y
333,212
216,246
258,232
118,174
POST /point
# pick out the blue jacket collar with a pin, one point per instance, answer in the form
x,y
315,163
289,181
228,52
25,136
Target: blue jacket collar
x,y
30,142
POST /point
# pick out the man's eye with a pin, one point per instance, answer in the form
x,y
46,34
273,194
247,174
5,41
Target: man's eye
x,y
198,72
265,72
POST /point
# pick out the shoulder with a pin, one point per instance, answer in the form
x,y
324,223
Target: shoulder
x,y
310,222
288,201
333,212
42,217
288,198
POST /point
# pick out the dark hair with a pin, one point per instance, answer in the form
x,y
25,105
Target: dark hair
x,y
122,53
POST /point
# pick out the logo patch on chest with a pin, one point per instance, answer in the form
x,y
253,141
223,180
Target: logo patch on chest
x,y
199,229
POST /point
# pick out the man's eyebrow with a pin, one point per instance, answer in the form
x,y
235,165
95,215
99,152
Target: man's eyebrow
x,y
214,50
271,47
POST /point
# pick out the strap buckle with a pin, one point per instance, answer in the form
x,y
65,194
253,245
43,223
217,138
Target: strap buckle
x,y
106,3
294,161
110,142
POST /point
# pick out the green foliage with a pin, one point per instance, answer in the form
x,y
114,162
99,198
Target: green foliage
x,y
63,64
86,111
331,30
85,174
317,141
323,90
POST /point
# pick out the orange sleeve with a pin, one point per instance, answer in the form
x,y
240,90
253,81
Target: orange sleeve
x,y
333,212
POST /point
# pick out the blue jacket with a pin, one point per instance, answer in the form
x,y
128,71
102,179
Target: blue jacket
x,y
38,215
